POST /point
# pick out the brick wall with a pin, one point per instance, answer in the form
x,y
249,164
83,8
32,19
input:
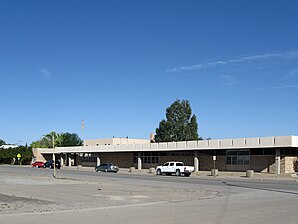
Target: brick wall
x,y
187,160
261,163
123,160
206,163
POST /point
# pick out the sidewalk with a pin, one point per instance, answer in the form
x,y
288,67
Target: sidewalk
x,y
205,174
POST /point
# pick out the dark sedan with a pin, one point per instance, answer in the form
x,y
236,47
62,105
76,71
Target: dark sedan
x,y
107,167
50,164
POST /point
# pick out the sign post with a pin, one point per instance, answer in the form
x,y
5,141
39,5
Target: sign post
x,y
19,157
214,159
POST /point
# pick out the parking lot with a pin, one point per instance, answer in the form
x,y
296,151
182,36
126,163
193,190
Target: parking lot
x,y
30,194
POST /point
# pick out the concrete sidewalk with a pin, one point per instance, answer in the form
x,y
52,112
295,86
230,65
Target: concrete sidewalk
x,y
205,174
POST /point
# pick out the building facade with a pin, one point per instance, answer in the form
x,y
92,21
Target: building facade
x,y
277,154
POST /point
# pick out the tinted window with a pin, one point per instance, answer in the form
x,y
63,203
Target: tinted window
x,y
166,164
171,164
179,164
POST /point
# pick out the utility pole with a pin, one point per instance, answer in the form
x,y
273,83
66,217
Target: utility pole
x,y
54,160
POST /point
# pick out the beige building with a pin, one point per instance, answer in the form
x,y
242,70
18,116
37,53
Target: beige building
x,y
114,141
276,154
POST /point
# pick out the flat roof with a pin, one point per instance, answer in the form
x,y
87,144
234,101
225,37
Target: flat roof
x,y
235,143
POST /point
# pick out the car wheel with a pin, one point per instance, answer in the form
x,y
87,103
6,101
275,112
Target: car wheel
x,y
158,172
178,173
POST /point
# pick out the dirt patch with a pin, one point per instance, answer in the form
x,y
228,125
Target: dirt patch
x,y
11,203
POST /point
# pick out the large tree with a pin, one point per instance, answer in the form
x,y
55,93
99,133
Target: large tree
x,y
180,124
60,140
69,139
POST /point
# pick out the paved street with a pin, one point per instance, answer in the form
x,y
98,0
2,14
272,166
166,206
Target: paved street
x,y
30,195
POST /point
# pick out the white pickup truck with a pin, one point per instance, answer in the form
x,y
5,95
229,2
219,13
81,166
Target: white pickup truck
x,y
176,168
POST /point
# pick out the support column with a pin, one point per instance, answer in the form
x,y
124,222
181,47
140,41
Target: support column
x,y
139,161
69,159
61,160
196,161
97,160
277,161
75,159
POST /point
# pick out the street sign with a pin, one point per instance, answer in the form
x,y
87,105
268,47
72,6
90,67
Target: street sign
x,y
214,158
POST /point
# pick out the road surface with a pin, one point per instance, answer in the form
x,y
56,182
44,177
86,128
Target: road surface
x,y
30,195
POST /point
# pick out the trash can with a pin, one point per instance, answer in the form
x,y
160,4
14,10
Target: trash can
x,y
249,173
214,172
131,169
152,170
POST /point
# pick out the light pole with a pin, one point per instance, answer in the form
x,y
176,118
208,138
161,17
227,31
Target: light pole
x,y
54,160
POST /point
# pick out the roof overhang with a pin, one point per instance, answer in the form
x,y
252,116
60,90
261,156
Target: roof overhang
x,y
221,144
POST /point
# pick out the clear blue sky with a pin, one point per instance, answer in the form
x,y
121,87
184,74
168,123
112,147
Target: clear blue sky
x,y
120,64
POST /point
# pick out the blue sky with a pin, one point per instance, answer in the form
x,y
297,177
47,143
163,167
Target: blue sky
x,y
120,64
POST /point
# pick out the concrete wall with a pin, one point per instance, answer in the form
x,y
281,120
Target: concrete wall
x,y
114,141
137,145
37,156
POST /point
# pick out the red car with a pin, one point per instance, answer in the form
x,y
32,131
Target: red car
x,y
38,164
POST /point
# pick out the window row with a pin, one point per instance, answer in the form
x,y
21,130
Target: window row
x,y
235,157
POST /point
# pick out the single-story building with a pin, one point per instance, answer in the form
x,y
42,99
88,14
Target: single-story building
x,y
276,154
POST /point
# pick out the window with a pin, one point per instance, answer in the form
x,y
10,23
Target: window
x,y
147,157
236,157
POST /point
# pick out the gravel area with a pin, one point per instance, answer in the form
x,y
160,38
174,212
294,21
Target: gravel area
x,y
35,194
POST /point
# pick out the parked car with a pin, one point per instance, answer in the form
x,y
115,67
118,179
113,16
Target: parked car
x,y
50,164
107,167
176,168
38,164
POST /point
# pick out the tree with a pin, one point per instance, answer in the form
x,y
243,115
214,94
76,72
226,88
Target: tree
x,y
69,139
60,140
45,142
2,142
180,124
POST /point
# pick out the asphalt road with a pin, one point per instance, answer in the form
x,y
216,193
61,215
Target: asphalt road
x,y
29,195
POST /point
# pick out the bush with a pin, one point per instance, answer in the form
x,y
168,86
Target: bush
x,y
9,156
